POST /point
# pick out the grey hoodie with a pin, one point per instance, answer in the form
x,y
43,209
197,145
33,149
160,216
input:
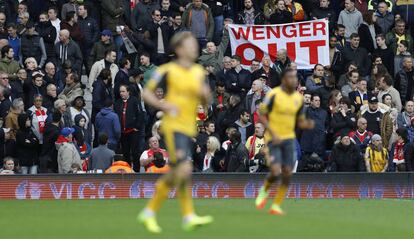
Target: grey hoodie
x,y
351,21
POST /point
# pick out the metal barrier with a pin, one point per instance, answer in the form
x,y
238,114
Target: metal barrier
x,y
118,186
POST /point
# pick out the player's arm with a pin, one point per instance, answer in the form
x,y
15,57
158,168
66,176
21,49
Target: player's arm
x,y
158,79
302,121
264,109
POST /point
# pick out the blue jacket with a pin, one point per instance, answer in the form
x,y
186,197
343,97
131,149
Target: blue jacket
x,y
107,121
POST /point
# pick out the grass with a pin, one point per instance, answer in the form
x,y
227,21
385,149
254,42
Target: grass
x,y
234,218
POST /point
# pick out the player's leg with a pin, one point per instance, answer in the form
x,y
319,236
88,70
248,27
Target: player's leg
x,y
274,161
183,178
288,162
163,186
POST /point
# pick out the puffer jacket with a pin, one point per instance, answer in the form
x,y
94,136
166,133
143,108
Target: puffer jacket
x,y
33,46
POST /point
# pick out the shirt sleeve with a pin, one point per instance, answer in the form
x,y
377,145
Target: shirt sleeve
x,y
158,79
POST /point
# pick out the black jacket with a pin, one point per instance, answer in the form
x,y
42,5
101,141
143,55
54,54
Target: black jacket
x,y
387,56
5,107
166,30
100,93
259,18
281,17
366,38
90,30
341,124
134,118
121,78
216,9
27,143
235,156
273,77
176,4
112,12
31,46
360,57
48,32
346,158
238,83
73,53
50,136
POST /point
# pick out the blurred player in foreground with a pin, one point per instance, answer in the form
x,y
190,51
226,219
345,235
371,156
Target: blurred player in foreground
x,y
280,112
185,87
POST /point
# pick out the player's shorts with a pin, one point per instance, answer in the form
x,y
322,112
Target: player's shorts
x,y
283,153
178,142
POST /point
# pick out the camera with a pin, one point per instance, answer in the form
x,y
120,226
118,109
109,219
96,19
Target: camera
x,y
257,164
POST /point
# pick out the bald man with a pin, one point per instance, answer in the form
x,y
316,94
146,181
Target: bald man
x,y
66,49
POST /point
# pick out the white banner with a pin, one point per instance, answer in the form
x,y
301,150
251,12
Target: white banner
x,y
307,43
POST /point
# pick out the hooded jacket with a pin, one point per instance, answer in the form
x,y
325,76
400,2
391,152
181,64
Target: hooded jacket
x,y
67,155
107,121
207,19
27,143
71,52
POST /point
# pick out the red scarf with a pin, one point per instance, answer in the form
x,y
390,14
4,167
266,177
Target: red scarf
x,y
399,153
41,119
252,148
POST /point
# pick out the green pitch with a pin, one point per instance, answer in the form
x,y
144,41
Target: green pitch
x,y
113,219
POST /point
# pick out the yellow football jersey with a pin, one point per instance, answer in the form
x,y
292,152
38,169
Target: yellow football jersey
x,y
283,110
182,88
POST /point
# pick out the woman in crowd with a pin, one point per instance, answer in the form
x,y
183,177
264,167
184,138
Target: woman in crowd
x,y
78,107
376,156
281,15
344,120
398,151
38,114
334,99
368,30
208,161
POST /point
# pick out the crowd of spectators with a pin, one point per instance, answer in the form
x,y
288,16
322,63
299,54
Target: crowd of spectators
x,y
54,53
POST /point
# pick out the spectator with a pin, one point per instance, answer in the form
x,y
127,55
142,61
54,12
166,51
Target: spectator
x,y
255,144
146,67
244,126
344,121
351,83
141,15
177,24
398,152
47,32
386,54
361,136
208,161
396,35
368,30
67,152
236,154
385,18
67,50
360,96
355,53
122,77
119,166
101,157
376,156
403,53
11,121
377,123
166,10
131,118
102,90
325,91
148,156
340,36
32,45
7,64
271,76
324,11
61,106
316,80
160,34
8,166
107,122
404,118
52,13
198,18
112,17
71,24
220,98
48,155
249,15
107,63
90,29
335,56
13,39
160,164
256,94
404,80
296,9
239,80
38,115
22,24
28,145
78,106
71,6
50,97
230,114
313,141
282,61
101,47
345,156
213,55
351,18
5,102
82,137
34,87
334,99
72,90
281,14
385,87
50,75
61,75
269,8
221,74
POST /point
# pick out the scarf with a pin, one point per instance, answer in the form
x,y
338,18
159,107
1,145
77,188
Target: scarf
x,y
252,147
398,153
41,119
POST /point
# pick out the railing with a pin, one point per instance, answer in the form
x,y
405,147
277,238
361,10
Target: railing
x,y
117,186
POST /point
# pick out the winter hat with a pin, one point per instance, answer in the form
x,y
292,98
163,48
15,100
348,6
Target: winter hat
x,y
376,137
65,132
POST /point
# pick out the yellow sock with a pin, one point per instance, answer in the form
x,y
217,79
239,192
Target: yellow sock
x,y
281,194
161,193
186,201
267,185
